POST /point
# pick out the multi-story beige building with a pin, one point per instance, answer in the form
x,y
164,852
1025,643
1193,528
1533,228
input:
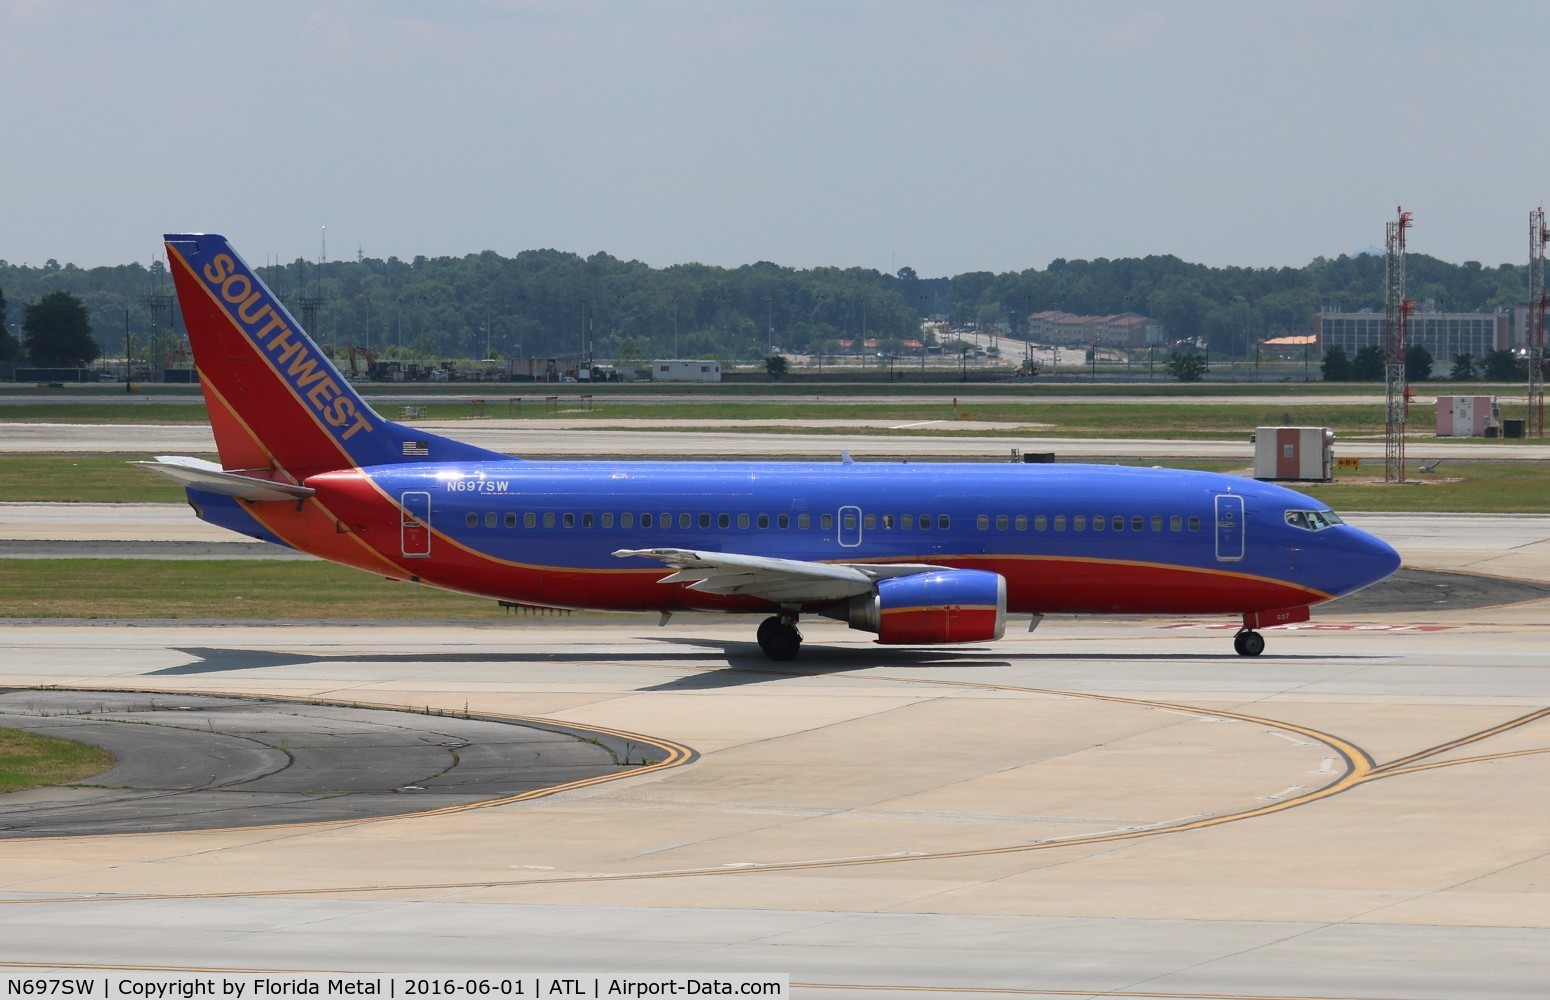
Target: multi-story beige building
x,y
1121,330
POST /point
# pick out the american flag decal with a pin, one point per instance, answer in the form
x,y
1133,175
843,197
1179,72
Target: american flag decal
x,y
417,448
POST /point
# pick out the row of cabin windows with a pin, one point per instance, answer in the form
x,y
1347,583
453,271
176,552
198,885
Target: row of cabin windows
x,y
1078,522
804,522
783,522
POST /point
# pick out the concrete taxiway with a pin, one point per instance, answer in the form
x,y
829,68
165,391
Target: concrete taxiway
x,y
709,438
1098,807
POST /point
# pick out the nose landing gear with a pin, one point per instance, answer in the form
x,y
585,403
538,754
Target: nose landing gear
x,y
1248,643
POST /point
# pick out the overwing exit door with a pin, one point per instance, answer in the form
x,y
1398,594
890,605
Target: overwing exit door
x,y
850,527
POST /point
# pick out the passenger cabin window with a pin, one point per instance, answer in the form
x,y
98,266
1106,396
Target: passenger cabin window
x,y
529,519
1041,523
569,520
586,520
1175,523
1079,523
549,519
907,522
1000,522
742,520
473,519
490,519
626,520
511,520
784,521
684,521
1060,522
825,521
982,522
1194,524
1022,522
1156,522
645,520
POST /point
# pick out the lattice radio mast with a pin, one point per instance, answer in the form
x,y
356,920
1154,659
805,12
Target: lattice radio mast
x,y
310,301
1535,339
1396,317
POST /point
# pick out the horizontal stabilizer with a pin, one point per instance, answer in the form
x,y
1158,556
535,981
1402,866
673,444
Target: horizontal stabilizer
x,y
212,478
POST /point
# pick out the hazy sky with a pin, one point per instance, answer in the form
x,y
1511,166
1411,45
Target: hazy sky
x,y
947,137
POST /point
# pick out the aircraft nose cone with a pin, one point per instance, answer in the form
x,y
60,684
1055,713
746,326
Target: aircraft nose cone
x,y
1372,559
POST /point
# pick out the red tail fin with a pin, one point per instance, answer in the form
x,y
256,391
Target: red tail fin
x,y
275,399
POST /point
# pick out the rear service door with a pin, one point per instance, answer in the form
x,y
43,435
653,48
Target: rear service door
x,y
415,526
1229,527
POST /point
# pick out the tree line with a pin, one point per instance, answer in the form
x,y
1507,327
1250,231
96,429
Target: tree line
x,y
554,303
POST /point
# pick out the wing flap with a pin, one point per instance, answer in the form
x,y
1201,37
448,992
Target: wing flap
x,y
784,580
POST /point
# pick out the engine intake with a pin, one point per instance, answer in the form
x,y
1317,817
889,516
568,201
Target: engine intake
x,y
950,605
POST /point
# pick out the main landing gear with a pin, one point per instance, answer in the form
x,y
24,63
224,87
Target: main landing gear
x,y
779,638
1248,643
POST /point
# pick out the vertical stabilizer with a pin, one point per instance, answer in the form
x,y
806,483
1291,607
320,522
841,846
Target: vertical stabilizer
x,y
275,399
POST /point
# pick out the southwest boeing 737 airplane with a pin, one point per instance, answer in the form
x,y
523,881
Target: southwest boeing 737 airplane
x,y
917,553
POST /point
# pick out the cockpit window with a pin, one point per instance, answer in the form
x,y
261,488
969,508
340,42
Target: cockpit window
x,y
1312,520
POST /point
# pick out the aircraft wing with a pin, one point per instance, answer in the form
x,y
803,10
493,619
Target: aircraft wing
x,y
784,580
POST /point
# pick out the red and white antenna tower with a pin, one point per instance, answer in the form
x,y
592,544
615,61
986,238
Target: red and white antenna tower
x,y
1396,316
1535,339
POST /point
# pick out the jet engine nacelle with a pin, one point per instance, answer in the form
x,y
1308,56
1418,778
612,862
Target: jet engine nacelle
x,y
950,605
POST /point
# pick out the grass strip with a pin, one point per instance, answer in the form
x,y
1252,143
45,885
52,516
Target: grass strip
x,y
220,589
1455,488
86,478
28,760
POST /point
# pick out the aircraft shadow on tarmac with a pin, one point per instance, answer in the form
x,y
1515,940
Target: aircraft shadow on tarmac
x,y
743,661
210,660
738,655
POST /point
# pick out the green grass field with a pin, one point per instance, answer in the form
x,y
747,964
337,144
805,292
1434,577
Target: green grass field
x,y
83,479
1456,487
236,588
28,760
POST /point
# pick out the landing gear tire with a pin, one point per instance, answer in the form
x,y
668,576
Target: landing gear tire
x,y
779,639
1248,643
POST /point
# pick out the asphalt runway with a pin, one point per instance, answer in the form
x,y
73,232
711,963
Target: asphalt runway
x,y
195,762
